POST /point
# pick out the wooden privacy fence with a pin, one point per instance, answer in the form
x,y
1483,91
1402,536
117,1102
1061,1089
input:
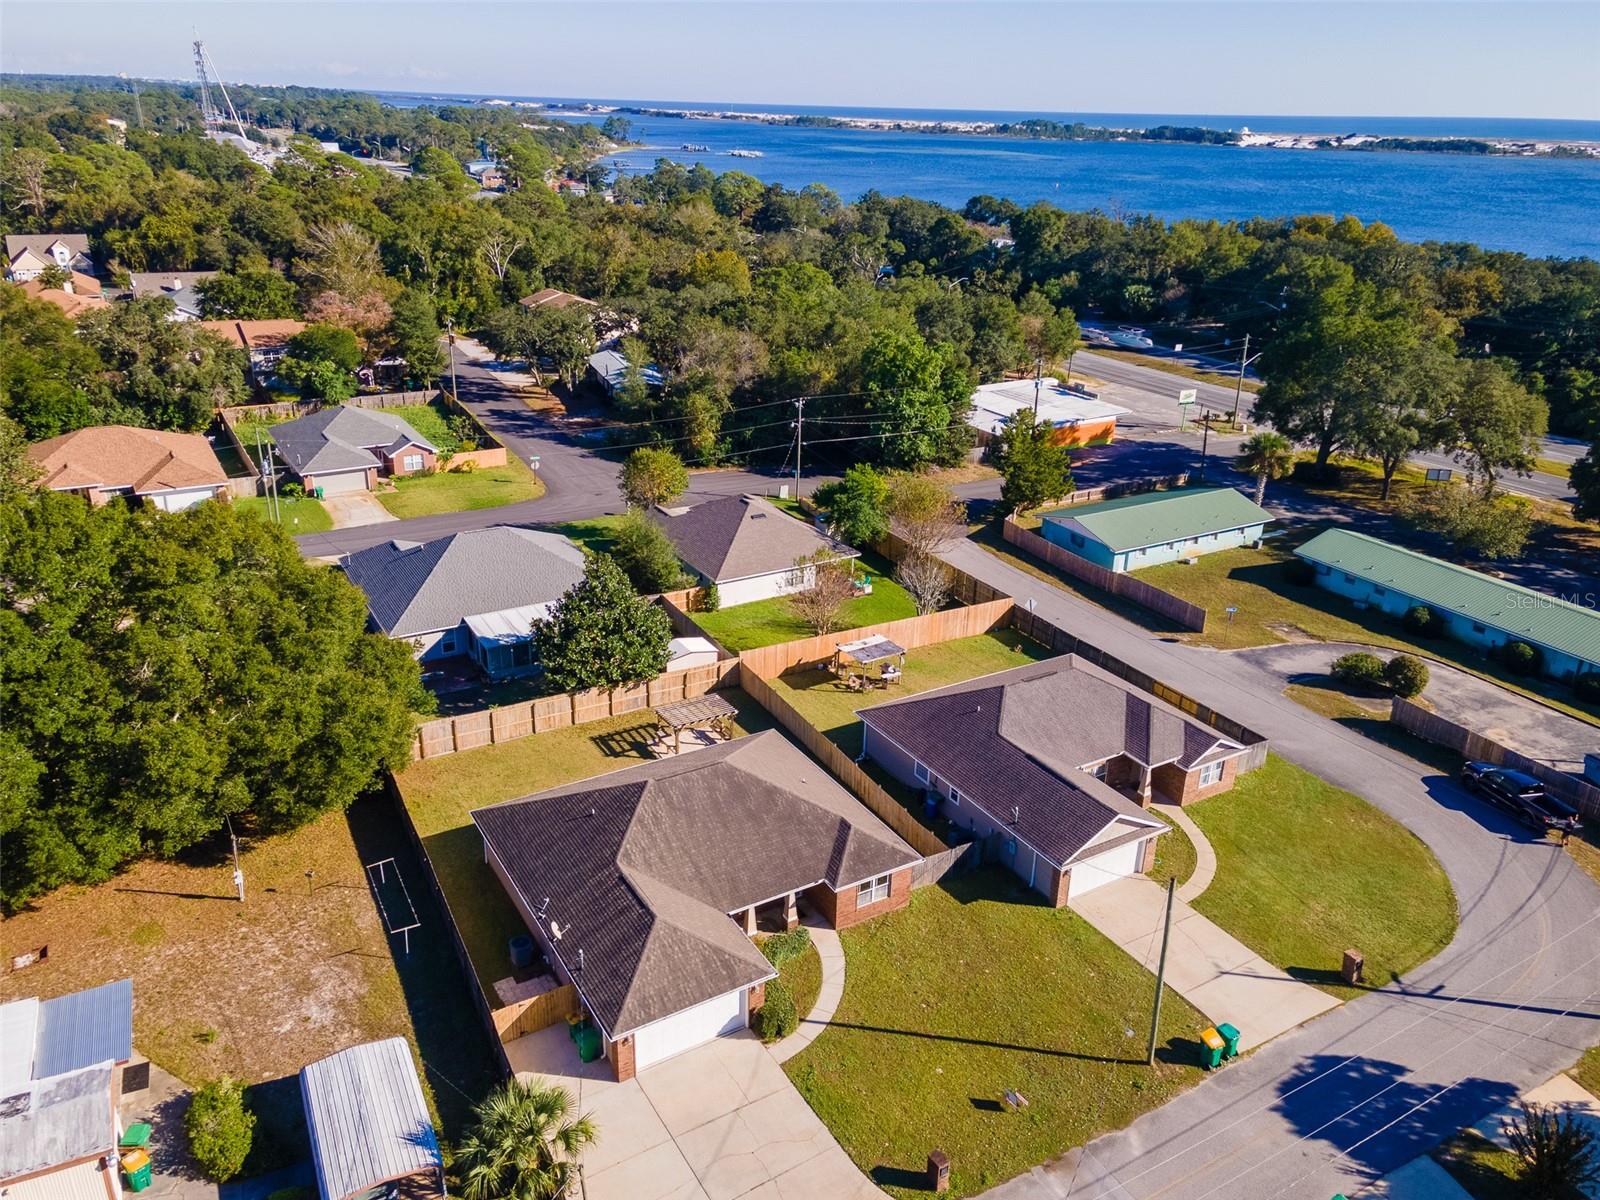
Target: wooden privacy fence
x,y
1111,491
491,726
537,1012
1055,638
1413,718
909,632
844,769
1162,603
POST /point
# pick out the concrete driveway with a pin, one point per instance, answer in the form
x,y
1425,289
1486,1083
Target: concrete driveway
x,y
721,1122
1209,968
1524,725
352,509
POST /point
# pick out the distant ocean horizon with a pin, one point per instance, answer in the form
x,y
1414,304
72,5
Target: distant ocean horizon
x,y
1540,206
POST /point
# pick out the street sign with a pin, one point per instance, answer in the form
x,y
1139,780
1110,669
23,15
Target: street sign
x,y
1187,396
1439,474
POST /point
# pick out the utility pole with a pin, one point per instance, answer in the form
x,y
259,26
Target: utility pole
x,y
1038,372
1161,974
799,440
270,473
450,341
238,871
1205,440
1244,361
1068,380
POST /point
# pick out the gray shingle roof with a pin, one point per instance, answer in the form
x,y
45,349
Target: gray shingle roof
x,y
417,588
341,438
1018,739
40,243
740,536
367,1118
642,867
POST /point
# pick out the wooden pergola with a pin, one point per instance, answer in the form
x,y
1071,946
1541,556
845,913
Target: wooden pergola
x,y
703,711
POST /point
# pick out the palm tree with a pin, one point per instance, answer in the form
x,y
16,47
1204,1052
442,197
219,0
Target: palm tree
x,y
1267,456
525,1144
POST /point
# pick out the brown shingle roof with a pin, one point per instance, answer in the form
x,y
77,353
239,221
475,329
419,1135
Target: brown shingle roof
x,y
555,298
740,536
74,303
642,867
122,456
256,335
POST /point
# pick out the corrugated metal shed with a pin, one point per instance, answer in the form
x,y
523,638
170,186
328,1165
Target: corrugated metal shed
x,y
85,1027
1519,611
367,1118
19,1033
57,1120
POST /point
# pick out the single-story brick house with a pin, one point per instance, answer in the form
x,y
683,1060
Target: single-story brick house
x,y
747,546
343,448
1477,609
1131,532
173,471
474,594
1050,766
369,1125
643,886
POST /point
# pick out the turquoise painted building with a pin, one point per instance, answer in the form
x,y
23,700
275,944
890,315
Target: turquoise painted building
x,y
1131,532
1477,609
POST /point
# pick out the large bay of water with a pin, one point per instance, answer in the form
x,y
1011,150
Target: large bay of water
x,y
1541,206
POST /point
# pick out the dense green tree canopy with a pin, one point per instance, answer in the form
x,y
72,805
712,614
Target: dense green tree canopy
x,y
160,672
174,374
601,634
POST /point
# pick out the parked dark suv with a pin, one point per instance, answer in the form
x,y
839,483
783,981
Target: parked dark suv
x,y
1521,795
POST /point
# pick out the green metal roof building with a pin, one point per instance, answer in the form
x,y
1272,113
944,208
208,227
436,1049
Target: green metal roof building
x,y
1156,527
1478,608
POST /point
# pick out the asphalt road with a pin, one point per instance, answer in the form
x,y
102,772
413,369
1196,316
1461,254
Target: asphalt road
x,y
1351,1096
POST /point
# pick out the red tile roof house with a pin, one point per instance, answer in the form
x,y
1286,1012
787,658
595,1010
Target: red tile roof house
x,y
643,886
1031,760
173,471
345,449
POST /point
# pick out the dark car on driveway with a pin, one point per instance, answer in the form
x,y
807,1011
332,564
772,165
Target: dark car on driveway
x,y
1521,795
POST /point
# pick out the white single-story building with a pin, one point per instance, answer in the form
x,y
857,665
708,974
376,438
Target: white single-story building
x,y
747,546
475,594
1077,418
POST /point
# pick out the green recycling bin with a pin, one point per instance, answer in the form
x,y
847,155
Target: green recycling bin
x,y
136,1165
1211,1048
588,1044
136,1136
320,493
1230,1041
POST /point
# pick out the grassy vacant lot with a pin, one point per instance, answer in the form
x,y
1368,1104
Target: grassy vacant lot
x,y
1046,1006
440,793
1272,609
458,491
300,514
824,700
768,622
1306,870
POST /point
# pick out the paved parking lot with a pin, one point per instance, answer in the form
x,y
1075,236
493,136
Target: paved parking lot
x,y
721,1122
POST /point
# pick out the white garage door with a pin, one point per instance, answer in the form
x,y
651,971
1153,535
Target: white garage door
x,y
688,1029
1104,868
336,485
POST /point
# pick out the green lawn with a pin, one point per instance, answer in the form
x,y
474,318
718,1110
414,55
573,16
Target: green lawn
x,y
768,622
458,491
1484,1170
822,698
1272,608
1175,855
1045,1006
439,793
1306,870
596,535
300,514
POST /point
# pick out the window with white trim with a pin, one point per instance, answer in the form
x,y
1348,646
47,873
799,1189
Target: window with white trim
x,y
412,462
955,795
872,891
1210,773
919,771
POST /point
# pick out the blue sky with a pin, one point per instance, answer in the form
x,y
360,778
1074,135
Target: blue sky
x,y
1441,58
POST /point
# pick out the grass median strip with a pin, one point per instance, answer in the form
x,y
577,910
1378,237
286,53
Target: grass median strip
x,y
1306,870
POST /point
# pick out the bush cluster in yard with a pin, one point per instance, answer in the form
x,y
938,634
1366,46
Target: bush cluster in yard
x,y
783,947
1359,668
776,1018
710,598
1406,676
1522,658
1423,621
220,1128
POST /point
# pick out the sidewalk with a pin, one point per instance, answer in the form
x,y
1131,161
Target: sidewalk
x,y
831,952
1210,969
1205,858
